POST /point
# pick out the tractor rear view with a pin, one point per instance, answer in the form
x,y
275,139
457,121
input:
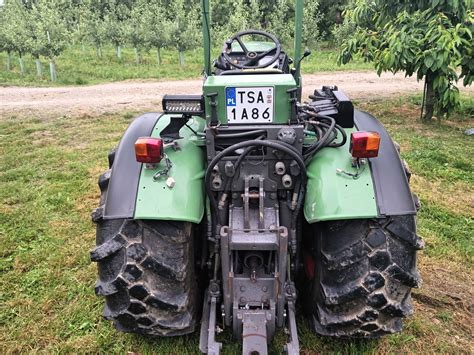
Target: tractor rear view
x,y
233,207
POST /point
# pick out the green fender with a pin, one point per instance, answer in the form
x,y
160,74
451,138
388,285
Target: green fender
x,y
185,200
331,195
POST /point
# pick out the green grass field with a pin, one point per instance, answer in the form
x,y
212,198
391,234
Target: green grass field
x,y
82,68
48,174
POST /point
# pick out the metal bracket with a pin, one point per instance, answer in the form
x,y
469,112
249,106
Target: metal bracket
x,y
207,341
293,93
171,131
293,346
213,103
254,332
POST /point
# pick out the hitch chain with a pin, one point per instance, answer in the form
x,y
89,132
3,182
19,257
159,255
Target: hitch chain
x,y
165,171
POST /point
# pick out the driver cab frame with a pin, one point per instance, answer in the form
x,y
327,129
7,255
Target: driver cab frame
x,y
231,62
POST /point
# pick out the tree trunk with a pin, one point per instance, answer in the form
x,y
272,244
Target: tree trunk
x,y
52,70
83,48
119,52
99,51
181,58
158,55
9,61
22,64
429,99
39,67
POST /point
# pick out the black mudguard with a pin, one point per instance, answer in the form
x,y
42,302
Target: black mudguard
x,y
125,175
392,191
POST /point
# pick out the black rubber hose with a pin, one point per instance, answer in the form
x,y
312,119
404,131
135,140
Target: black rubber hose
x,y
240,134
309,153
237,165
269,144
344,138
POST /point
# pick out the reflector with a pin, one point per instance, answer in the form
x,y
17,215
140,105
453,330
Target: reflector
x,y
149,150
365,144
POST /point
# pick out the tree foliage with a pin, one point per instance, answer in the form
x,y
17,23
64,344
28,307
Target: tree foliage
x,y
331,16
114,22
15,33
43,28
184,28
158,33
52,32
432,39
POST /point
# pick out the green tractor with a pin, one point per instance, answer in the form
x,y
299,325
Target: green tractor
x,y
239,206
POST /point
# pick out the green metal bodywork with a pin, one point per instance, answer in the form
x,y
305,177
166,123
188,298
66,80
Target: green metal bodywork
x,y
281,83
184,201
329,196
333,196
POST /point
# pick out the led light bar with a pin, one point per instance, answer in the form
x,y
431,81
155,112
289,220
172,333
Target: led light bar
x,y
184,104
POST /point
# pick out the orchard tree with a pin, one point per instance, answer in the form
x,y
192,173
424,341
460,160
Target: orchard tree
x,y
82,12
185,33
281,21
34,38
15,32
114,21
5,41
95,26
233,20
52,30
311,19
254,14
331,15
158,27
136,27
432,39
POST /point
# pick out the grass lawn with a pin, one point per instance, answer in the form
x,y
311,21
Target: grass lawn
x,y
81,68
48,174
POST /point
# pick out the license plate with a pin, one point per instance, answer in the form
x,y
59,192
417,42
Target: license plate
x,y
249,105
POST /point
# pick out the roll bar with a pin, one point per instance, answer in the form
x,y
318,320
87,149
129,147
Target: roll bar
x,y
206,30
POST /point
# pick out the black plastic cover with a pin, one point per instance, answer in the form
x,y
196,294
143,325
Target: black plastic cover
x,y
330,101
125,176
392,191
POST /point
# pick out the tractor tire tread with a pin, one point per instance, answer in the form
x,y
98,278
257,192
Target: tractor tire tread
x,y
146,274
365,278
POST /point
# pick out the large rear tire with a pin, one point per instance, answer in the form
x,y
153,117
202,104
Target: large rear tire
x,y
361,273
146,273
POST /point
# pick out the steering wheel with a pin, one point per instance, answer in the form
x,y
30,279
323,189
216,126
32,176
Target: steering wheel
x,y
253,57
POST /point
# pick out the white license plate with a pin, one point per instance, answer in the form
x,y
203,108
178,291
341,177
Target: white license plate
x,y
249,105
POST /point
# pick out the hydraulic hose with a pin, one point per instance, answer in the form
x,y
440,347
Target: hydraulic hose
x,y
237,164
240,134
255,143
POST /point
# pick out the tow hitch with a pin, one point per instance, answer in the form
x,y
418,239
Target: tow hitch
x,y
257,294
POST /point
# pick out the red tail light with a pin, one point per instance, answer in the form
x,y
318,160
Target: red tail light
x,y
149,150
365,144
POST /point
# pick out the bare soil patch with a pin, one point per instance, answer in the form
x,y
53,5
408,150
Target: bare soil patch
x,y
146,95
